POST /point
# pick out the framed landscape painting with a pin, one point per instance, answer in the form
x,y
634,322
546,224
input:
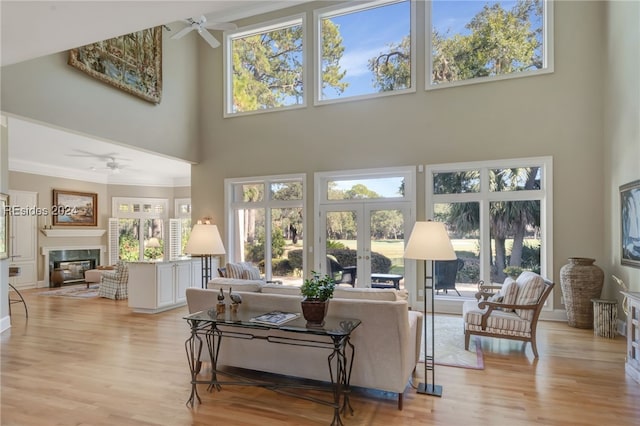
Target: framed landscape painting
x,y
132,62
630,223
71,208
4,226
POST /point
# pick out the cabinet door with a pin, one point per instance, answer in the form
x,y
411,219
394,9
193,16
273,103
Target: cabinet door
x,y
165,284
183,280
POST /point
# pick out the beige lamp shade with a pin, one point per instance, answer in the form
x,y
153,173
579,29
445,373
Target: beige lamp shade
x,y
204,240
153,242
429,241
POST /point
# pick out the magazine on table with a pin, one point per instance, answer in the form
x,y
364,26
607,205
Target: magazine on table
x,y
275,317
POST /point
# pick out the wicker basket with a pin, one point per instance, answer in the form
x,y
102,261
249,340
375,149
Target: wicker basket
x,y
581,281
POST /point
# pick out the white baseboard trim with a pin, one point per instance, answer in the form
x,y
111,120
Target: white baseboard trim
x,y
5,323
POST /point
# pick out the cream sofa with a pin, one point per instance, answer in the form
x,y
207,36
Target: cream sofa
x,y
387,342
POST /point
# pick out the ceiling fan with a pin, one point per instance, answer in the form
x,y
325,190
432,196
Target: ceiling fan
x,y
202,26
112,166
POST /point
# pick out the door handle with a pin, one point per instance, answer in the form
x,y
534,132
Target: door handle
x,y
366,257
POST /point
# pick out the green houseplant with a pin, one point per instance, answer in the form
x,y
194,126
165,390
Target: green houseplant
x,y
316,291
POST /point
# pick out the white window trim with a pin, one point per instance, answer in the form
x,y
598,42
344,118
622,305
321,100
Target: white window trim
x,y
544,194
319,14
547,54
267,204
321,180
227,53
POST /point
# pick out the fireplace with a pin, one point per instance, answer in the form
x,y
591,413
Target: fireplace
x,y
73,270
72,261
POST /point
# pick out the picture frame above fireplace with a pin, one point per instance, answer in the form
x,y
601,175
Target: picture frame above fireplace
x,y
73,208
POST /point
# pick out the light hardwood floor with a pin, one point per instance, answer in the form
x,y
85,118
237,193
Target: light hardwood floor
x,y
93,362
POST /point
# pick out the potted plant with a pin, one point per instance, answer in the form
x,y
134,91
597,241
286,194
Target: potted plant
x,y
316,291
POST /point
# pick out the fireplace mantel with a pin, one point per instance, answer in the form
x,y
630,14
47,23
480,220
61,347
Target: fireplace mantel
x,y
73,232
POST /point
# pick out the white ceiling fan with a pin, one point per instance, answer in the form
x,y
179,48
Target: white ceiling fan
x,y
202,26
112,166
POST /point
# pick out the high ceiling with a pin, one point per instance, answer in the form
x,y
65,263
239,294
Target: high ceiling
x,y
31,29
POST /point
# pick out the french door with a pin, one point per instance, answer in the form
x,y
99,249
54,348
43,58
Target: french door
x,y
363,238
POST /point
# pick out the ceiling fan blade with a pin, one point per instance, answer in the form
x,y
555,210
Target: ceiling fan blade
x,y
209,38
183,32
222,26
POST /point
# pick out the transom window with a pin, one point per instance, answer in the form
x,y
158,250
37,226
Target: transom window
x,y
364,50
265,66
474,41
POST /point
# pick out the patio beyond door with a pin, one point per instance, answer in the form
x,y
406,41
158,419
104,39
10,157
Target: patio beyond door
x,y
362,244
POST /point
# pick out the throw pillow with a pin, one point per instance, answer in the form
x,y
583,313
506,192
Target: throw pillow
x,y
497,298
509,292
251,273
234,270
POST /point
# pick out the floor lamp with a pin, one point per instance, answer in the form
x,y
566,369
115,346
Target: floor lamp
x,y
205,242
429,241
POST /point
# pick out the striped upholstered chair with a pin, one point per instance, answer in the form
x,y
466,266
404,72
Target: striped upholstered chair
x,y
113,284
511,313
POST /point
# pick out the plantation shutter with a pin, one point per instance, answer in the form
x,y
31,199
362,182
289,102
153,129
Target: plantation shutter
x,y
114,244
175,241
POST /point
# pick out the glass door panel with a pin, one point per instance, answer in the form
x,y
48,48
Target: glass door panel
x,y
340,253
364,244
386,247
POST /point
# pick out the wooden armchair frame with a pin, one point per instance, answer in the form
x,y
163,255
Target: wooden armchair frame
x,y
491,306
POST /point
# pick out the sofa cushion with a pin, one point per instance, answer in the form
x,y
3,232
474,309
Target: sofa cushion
x,y
291,290
530,288
365,293
236,284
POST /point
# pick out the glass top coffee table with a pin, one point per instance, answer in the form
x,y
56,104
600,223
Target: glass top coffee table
x,y
210,330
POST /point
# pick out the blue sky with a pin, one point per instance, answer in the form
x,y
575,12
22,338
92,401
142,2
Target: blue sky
x,y
368,33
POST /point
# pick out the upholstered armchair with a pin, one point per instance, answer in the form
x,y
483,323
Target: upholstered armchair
x,y
113,284
510,313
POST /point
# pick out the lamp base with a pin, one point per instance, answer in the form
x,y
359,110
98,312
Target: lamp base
x,y
429,389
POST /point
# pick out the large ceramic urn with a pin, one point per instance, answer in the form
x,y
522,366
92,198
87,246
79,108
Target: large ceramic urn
x,y
581,281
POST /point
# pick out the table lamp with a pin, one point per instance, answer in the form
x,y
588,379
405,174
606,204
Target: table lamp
x,y
429,241
205,242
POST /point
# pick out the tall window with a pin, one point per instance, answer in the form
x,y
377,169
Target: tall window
x,y
140,230
266,225
498,215
364,50
473,41
265,67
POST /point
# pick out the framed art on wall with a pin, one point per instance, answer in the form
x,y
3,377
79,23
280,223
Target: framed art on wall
x,y
4,226
630,223
72,208
132,62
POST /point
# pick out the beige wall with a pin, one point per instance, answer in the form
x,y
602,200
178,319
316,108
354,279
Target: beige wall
x,y
559,114
44,186
621,127
49,90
